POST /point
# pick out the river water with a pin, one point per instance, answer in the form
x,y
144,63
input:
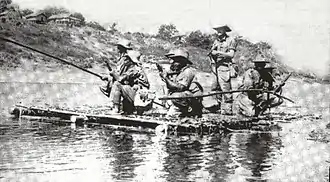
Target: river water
x,y
35,151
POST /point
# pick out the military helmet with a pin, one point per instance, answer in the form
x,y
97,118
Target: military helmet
x,y
260,59
125,43
179,53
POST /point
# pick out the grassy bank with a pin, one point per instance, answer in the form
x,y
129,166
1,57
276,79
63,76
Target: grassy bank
x,y
88,47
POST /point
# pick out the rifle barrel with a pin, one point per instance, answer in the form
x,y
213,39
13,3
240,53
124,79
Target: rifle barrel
x,y
224,92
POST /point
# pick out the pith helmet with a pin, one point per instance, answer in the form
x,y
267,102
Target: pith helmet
x,y
134,56
170,53
125,43
224,28
180,53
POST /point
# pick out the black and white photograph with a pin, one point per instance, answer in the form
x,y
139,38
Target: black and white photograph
x,y
162,91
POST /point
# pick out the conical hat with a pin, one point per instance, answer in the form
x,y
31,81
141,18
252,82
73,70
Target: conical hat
x,y
170,53
222,28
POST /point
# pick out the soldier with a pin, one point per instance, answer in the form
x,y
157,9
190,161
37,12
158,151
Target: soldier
x,y
183,84
222,53
130,83
122,46
259,77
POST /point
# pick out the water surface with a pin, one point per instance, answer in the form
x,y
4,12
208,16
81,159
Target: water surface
x,y
34,151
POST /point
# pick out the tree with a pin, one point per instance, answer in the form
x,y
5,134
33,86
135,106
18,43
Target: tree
x,y
113,28
53,10
198,39
95,25
4,3
25,12
166,32
79,16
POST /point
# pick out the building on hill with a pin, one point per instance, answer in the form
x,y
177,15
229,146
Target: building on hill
x,y
40,18
65,19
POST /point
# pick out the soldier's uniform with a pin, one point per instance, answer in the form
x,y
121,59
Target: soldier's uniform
x,y
119,63
132,78
255,103
221,68
186,78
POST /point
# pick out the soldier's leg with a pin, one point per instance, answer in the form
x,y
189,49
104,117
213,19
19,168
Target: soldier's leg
x,y
196,103
212,103
225,85
116,96
128,94
268,101
181,104
244,106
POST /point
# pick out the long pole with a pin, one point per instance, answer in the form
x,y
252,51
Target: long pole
x,y
49,55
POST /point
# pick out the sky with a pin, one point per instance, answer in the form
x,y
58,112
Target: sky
x,y
299,30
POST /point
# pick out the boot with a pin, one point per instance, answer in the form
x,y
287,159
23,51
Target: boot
x,y
115,110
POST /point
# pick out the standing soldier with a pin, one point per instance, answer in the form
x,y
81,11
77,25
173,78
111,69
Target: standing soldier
x,y
259,77
221,54
183,84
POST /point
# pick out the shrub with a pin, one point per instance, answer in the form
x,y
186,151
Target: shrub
x,y
53,10
198,39
166,32
95,25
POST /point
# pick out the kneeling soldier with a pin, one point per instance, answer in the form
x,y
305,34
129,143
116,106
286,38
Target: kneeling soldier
x,y
256,103
130,80
183,84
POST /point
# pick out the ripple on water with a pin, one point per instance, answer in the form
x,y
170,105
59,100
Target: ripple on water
x,y
31,150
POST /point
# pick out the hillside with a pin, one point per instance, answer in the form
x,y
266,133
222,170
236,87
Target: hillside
x,y
88,47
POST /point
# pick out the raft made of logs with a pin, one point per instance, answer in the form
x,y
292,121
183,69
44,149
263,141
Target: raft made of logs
x,y
209,124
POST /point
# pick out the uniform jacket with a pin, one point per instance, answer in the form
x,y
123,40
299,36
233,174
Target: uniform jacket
x,y
224,45
132,74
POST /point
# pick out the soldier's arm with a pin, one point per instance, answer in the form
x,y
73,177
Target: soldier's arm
x,y
115,75
229,53
173,86
231,49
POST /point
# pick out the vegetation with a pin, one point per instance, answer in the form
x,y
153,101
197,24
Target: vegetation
x,y
166,32
89,44
53,10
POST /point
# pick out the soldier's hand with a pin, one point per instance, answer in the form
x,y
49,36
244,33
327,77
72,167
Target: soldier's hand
x,y
111,73
159,67
213,52
163,75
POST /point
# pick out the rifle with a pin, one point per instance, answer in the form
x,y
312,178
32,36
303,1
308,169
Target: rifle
x,y
223,92
161,70
278,88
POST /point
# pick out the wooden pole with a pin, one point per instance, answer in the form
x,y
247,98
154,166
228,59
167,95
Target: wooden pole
x,y
49,55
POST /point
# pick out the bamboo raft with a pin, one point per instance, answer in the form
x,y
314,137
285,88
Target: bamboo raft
x,y
209,124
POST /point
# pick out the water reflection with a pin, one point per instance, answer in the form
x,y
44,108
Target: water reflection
x,y
254,154
34,151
